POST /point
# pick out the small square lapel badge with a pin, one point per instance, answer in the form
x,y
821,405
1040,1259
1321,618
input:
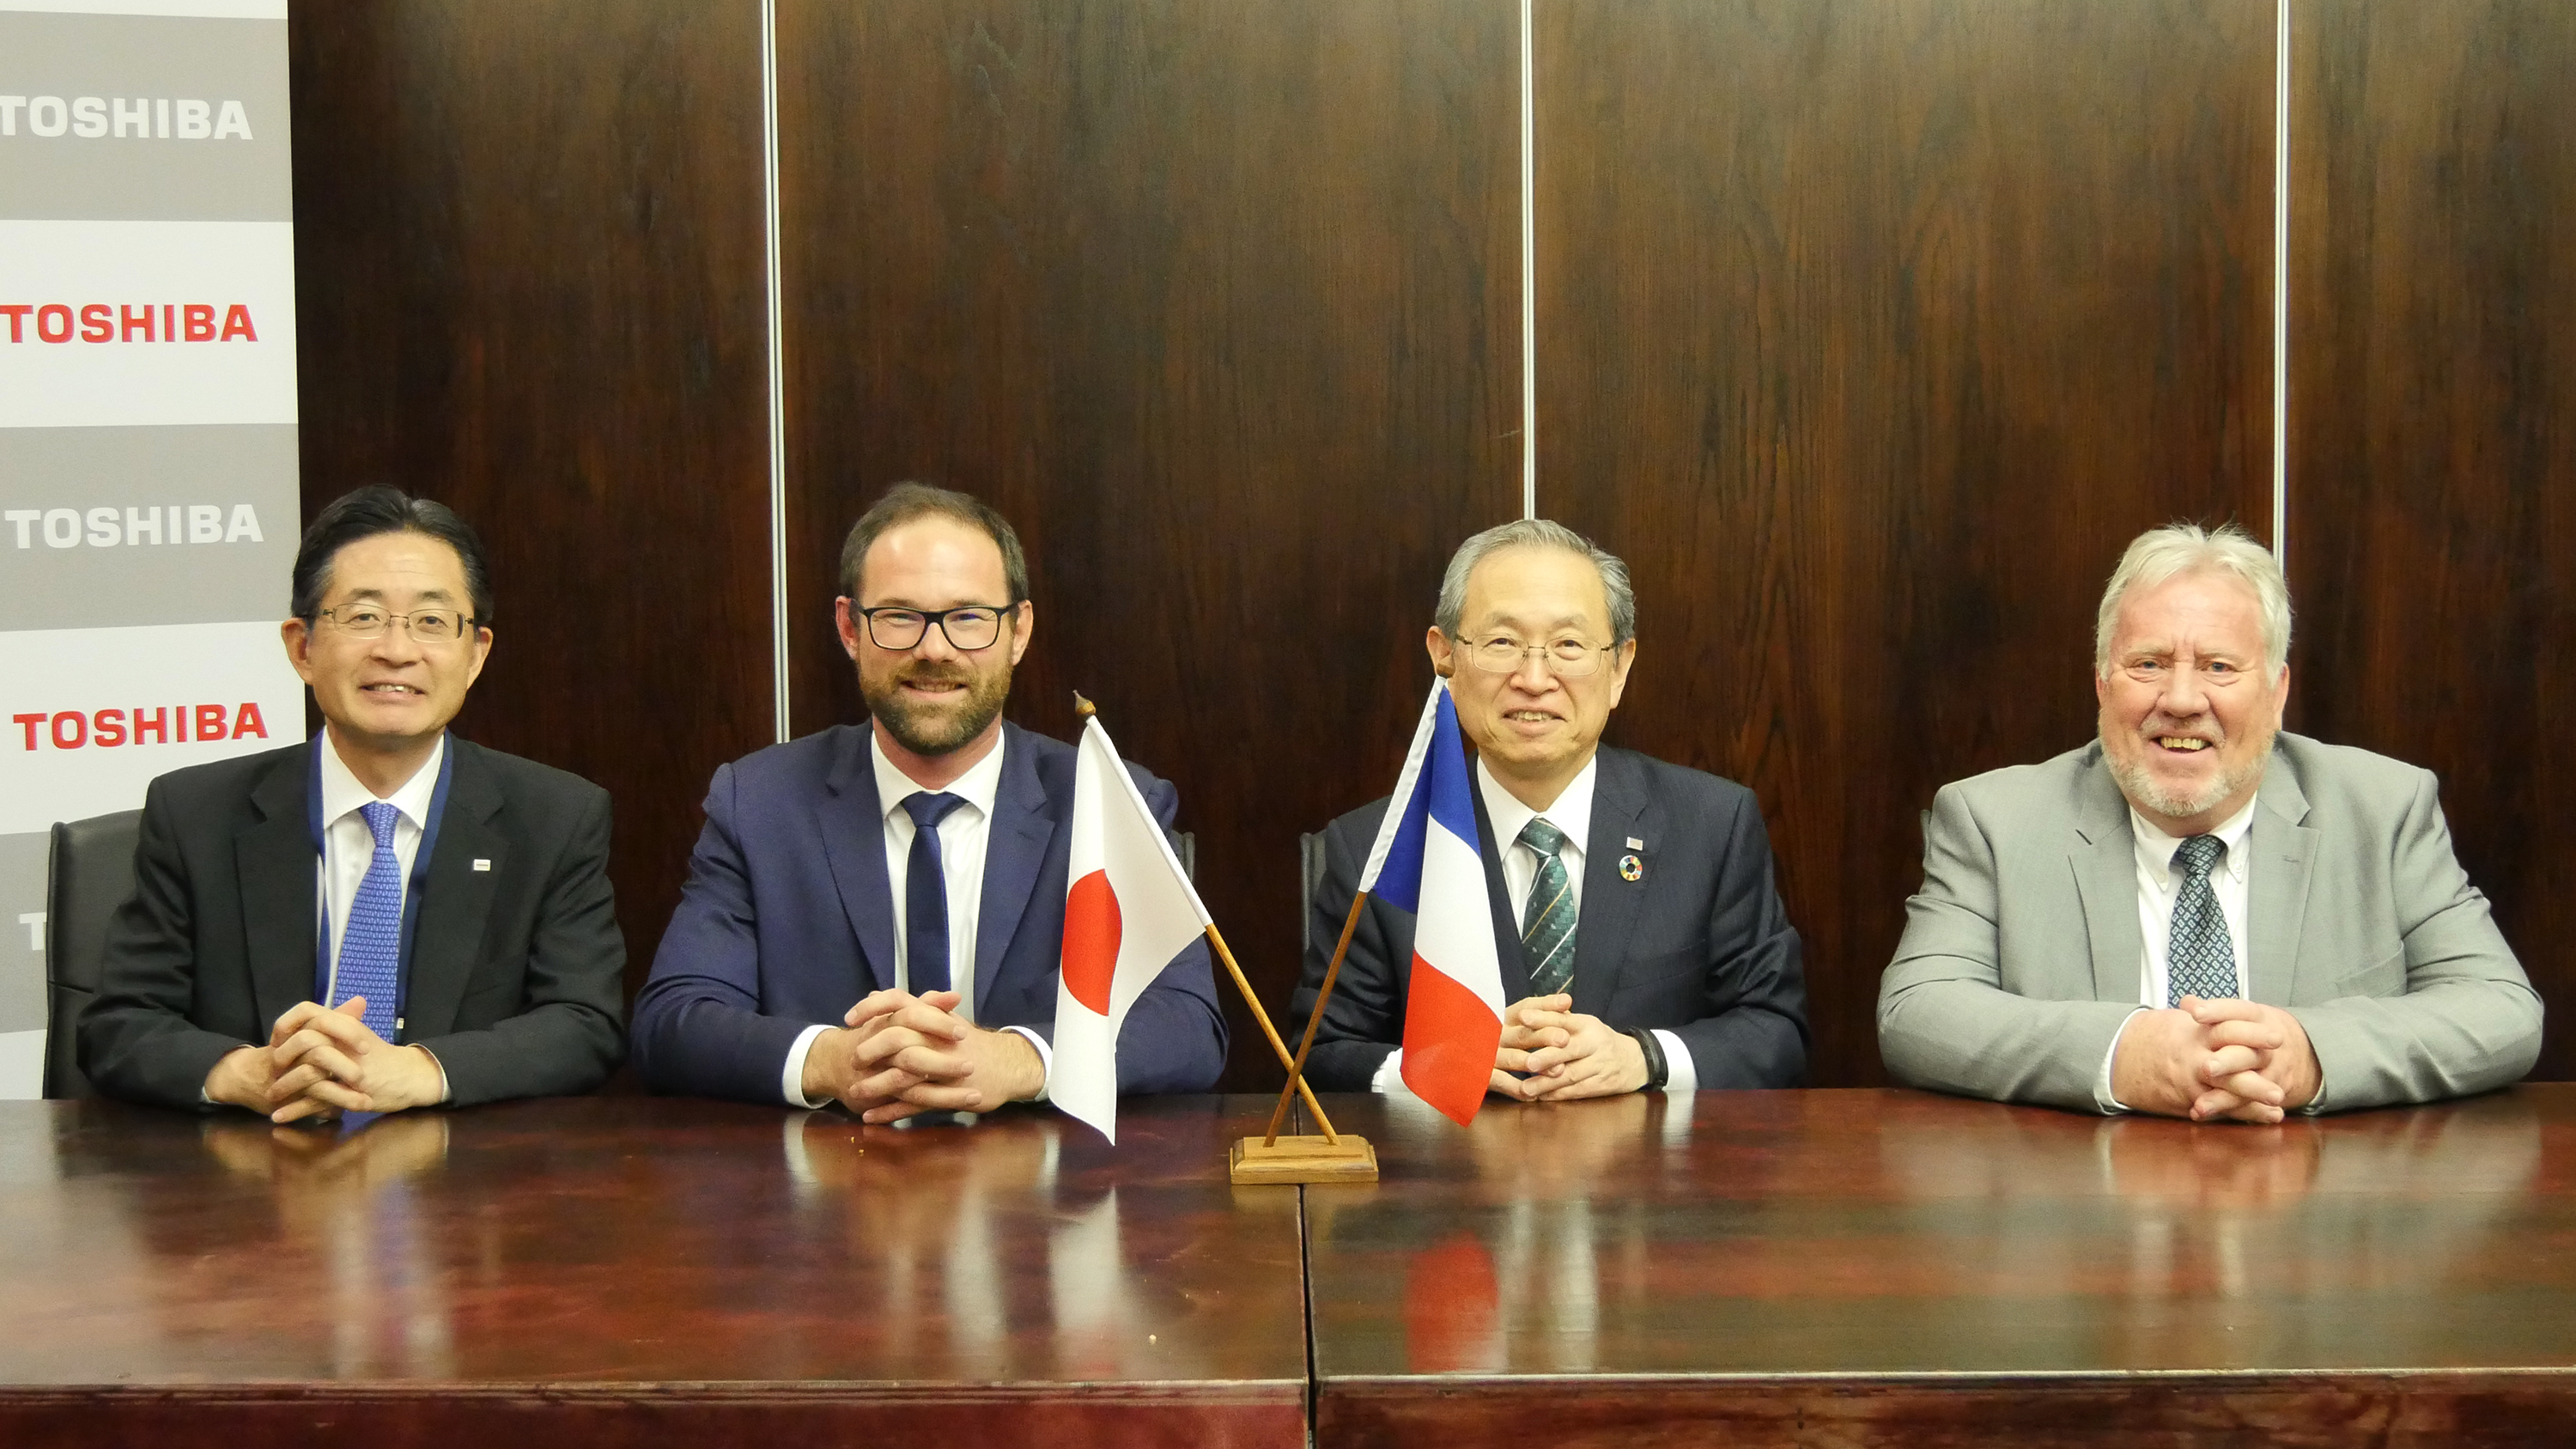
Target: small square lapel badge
x,y
482,864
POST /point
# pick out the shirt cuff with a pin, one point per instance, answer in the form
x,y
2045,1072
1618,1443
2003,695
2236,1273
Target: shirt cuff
x,y
791,1077
1389,1080
1679,1074
2103,1101
1046,1060
445,1094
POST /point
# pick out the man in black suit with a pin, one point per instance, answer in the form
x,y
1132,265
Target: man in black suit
x,y
1642,944
384,917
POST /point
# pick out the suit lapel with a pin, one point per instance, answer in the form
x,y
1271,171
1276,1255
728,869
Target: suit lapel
x,y
852,824
456,899
1015,847
2276,889
1610,903
277,868
2104,859
1508,953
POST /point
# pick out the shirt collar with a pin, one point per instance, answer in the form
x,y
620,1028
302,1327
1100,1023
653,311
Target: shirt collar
x,y
2156,849
976,787
342,794
1570,812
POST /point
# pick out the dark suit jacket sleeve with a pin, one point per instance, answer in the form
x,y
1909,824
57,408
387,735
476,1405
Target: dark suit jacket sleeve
x,y
1754,1032
137,1041
699,1030
565,1037
1173,1039
1365,1019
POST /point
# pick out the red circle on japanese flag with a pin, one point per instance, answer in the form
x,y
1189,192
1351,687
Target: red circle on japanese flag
x,y
1091,940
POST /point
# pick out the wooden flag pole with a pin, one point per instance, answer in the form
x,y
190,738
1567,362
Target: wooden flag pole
x,y
1329,1158
1314,1019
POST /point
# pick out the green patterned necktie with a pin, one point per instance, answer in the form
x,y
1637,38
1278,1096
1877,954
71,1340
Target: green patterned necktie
x,y
1547,927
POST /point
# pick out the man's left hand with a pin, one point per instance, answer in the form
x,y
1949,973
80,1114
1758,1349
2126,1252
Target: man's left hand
x,y
2260,1060
1597,1060
327,1059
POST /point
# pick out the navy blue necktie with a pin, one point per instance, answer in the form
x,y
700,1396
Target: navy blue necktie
x,y
371,944
925,894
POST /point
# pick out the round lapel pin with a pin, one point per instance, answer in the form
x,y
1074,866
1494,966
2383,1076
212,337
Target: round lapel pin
x,y
1631,868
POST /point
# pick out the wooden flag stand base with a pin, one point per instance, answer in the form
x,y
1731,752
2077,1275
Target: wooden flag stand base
x,y
1302,1159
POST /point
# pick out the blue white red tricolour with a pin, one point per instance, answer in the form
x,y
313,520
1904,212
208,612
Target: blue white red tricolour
x,y
1426,861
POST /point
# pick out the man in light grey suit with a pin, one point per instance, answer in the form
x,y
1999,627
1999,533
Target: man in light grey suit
x,y
2198,914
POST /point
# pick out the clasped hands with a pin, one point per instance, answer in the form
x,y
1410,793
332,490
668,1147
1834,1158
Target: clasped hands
x,y
897,1054
321,1061
1553,1053
2226,1058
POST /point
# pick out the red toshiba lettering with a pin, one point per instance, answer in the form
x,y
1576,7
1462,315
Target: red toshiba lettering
x,y
97,325
127,319
158,726
79,729
246,722
17,313
211,720
200,320
29,723
107,728
237,324
54,323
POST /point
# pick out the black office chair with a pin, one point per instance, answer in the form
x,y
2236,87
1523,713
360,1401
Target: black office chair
x,y
1310,875
88,875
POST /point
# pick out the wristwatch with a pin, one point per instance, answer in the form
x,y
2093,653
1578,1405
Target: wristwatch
x,y
1656,1071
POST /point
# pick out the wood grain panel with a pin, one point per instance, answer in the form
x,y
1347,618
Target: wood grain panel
x,y
529,273
1869,333
2432,526
1218,302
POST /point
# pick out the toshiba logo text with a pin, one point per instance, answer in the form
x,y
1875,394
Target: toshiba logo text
x,y
160,724
144,118
132,527
60,322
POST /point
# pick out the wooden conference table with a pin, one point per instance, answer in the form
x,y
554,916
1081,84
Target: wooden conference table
x,y
1825,1267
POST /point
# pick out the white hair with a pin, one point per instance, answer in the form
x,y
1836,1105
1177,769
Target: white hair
x,y
2165,553
1536,533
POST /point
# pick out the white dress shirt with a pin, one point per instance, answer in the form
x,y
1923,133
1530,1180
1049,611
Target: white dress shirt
x,y
963,833
348,847
1571,814
2159,887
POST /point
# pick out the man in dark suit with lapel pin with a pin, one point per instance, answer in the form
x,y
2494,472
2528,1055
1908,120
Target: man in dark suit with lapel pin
x,y
383,917
1642,944
913,865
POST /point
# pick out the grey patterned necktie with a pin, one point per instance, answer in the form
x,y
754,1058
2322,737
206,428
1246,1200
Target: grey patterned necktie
x,y
1547,926
2200,960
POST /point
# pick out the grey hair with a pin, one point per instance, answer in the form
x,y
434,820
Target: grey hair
x,y
2164,553
1537,533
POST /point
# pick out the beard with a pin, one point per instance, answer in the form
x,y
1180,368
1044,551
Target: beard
x,y
937,729
2140,784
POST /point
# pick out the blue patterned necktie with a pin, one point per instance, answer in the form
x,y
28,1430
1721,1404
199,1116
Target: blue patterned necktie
x,y
371,945
2200,959
1547,924
925,894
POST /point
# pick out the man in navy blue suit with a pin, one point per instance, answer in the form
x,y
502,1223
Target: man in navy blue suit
x,y
914,866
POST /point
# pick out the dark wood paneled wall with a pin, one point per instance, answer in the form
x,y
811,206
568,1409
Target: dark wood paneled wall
x,y
529,279
1869,334
1219,304
2432,525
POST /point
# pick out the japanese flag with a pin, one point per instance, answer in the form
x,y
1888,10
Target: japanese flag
x,y
1128,910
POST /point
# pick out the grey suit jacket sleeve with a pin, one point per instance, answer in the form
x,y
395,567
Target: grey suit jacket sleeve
x,y
2448,1014
1946,1019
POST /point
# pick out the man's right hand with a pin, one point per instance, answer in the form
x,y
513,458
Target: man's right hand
x,y
2166,1064
243,1077
833,1071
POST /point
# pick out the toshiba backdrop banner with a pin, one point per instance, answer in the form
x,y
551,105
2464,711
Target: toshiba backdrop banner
x,y
148,510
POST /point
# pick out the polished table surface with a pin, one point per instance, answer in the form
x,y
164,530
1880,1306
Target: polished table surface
x,y
449,1271
1888,1266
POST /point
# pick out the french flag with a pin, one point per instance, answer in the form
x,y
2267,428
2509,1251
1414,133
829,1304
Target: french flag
x,y
1426,862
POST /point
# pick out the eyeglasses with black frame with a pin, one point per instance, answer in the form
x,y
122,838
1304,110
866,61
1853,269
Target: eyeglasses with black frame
x,y
1566,656
426,626
968,627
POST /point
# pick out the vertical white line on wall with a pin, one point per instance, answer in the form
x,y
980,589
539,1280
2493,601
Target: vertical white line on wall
x,y
777,368
1529,276
2281,283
